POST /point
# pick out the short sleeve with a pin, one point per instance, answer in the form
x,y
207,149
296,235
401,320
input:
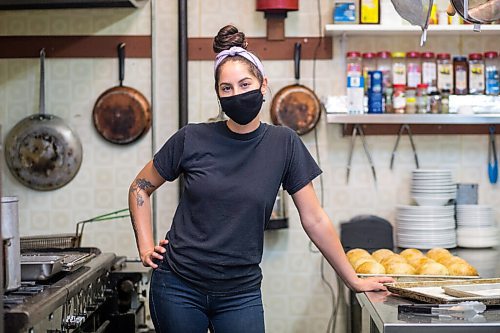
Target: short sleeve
x,y
168,160
302,168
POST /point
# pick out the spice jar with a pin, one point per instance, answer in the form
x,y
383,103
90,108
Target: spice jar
x,y
491,70
388,103
353,64
445,101
398,98
460,71
429,71
413,69
422,102
444,72
398,68
411,100
384,63
435,102
476,74
369,64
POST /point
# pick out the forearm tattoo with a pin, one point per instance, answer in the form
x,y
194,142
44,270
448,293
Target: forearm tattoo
x,y
137,186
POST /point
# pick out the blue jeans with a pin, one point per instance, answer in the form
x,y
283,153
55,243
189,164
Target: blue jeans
x,y
178,308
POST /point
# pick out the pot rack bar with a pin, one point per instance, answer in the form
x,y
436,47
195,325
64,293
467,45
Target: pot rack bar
x,y
74,46
201,48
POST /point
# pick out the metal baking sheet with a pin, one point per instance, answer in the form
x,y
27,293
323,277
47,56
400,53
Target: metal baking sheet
x,y
433,292
37,267
414,277
473,290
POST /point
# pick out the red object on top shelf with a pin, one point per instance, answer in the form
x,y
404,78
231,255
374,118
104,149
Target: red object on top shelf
x,y
277,5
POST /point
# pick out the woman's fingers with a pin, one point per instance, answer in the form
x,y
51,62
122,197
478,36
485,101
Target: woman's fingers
x,y
163,241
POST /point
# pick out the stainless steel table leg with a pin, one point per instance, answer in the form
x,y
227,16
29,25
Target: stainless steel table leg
x,y
355,314
373,327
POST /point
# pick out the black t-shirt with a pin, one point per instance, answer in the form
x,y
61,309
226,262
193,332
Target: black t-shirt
x,y
231,183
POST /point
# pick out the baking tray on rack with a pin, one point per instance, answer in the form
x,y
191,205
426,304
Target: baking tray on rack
x,y
434,291
415,277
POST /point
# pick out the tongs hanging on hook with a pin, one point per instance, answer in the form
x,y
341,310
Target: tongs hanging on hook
x,y
410,136
357,128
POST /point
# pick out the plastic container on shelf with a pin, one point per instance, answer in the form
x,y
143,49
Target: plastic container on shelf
x,y
353,64
369,64
491,64
355,82
398,68
429,76
435,102
444,72
413,69
476,74
422,100
445,101
398,98
384,64
411,100
460,73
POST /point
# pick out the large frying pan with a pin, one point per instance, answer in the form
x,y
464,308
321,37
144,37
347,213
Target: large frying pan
x,y
41,151
296,106
122,114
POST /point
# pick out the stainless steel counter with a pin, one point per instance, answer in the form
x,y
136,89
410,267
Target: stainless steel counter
x,y
380,309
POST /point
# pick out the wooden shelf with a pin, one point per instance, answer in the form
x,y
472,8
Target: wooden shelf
x,y
435,119
428,124
371,30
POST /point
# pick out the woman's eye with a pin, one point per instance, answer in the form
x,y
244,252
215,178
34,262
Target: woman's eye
x,y
226,88
245,84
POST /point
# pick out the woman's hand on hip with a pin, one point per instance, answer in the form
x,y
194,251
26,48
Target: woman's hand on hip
x,y
156,253
374,283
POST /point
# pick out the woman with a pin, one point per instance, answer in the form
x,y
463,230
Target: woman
x,y
206,273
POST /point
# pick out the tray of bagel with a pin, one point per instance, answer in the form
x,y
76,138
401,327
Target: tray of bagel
x,y
411,264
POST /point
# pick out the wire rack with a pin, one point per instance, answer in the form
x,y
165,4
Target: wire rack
x,y
64,241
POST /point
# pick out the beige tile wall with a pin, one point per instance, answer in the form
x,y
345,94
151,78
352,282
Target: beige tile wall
x,y
295,298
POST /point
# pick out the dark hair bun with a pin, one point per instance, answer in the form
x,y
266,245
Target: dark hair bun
x,y
228,37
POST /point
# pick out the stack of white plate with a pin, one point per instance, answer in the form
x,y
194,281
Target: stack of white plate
x,y
432,187
425,227
476,226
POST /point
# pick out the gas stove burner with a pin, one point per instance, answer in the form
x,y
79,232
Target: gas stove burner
x,y
19,296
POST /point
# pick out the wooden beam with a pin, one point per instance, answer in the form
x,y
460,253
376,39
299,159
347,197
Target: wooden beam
x,y
74,46
201,48
421,129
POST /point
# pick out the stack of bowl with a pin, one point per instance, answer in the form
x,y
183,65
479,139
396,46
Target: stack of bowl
x,y
476,226
425,227
432,187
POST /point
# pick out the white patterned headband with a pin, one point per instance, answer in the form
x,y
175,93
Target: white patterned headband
x,y
238,51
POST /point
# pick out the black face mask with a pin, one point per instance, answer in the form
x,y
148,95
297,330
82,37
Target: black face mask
x,y
242,108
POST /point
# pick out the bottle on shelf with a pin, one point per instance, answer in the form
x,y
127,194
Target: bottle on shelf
x,y
422,100
411,100
460,72
355,83
369,64
398,98
491,73
444,72
429,71
398,68
476,74
413,69
384,64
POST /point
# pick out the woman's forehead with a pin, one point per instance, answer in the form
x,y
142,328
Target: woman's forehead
x,y
234,70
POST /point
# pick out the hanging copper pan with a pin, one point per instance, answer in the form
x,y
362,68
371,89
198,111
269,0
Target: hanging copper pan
x,y
296,106
122,114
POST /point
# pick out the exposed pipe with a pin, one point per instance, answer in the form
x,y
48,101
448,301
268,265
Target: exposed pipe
x,y
183,72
